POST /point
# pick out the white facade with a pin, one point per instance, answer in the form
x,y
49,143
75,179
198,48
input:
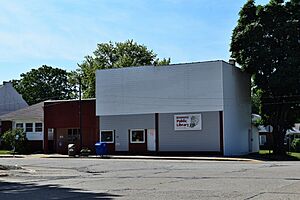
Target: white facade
x,y
162,89
214,88
36,133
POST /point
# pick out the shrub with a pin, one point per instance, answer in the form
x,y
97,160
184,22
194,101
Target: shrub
x,y
16,139
296,145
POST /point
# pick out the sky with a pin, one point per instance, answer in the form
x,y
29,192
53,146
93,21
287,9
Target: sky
x,y
60,33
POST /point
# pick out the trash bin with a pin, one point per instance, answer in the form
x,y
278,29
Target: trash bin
x,y
71,150
101,149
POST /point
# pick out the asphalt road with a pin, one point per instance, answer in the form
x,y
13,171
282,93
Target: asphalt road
x,y
57,178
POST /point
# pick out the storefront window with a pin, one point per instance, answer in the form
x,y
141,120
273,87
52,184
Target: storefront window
x,y
107,136
137,136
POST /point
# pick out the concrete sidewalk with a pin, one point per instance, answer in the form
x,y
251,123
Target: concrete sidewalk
x,y
190,158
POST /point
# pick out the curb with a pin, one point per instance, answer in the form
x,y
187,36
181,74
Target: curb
x,y
11,156
228,159
159,158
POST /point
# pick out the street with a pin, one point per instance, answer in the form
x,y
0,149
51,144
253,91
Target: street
x,y
82,178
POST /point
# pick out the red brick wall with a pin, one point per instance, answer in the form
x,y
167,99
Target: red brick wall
x,y
65,114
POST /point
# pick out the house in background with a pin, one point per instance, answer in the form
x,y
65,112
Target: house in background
x,y
10,99
31,120
201,107
255,133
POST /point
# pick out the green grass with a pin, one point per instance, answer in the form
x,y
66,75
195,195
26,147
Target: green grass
x,y
263,152
267,153
294,154
5,152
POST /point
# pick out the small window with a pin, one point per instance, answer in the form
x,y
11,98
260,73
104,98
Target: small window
x,y
262,139
29,127
20,125
38,127
73,135
50,130
107,136
137,136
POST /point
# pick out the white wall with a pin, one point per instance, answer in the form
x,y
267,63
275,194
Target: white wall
x,y
255,139
160,89
237,111
206,139
31,135
122,124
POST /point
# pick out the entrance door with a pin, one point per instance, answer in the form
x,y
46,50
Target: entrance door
x,y
151,140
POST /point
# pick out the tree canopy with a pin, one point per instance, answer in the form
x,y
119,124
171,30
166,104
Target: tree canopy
x,y
266,43
43,84
115,55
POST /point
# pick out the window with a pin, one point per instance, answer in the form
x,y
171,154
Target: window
x,y
38,127
107,136
137,136
29,127
73,135
262,139
20,125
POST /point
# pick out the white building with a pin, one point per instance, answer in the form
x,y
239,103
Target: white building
x,y
180,108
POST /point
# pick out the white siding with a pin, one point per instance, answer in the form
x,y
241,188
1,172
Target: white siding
x,y
121,124
160,89
237,110
206,139
31,136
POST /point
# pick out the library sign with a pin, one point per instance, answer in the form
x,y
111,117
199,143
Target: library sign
x,y
187,122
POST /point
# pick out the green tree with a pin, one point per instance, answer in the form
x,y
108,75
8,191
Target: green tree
x,y
115,55
43,84
266,43
255,100
16,139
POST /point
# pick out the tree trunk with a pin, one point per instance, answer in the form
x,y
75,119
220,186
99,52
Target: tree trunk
x,y
278,141
279,132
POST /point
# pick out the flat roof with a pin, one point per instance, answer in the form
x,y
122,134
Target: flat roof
x,y
69,100
170,65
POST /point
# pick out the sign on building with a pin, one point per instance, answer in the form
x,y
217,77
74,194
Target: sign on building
x,y
187,122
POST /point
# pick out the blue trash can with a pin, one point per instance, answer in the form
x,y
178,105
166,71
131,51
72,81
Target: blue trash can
x,y
101,149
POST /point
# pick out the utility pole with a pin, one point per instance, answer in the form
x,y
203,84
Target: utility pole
x,y
80,115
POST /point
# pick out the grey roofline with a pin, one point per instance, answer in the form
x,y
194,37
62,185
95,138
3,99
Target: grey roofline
x,y
170,65
28,112
69,100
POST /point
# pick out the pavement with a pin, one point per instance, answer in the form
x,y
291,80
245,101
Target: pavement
x,y
3,173
36,177
194,158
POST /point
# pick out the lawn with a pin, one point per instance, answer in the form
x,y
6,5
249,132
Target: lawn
x,y
266,153
294,154
5,152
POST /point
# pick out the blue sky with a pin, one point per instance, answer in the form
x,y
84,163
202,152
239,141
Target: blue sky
x,y
60,33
